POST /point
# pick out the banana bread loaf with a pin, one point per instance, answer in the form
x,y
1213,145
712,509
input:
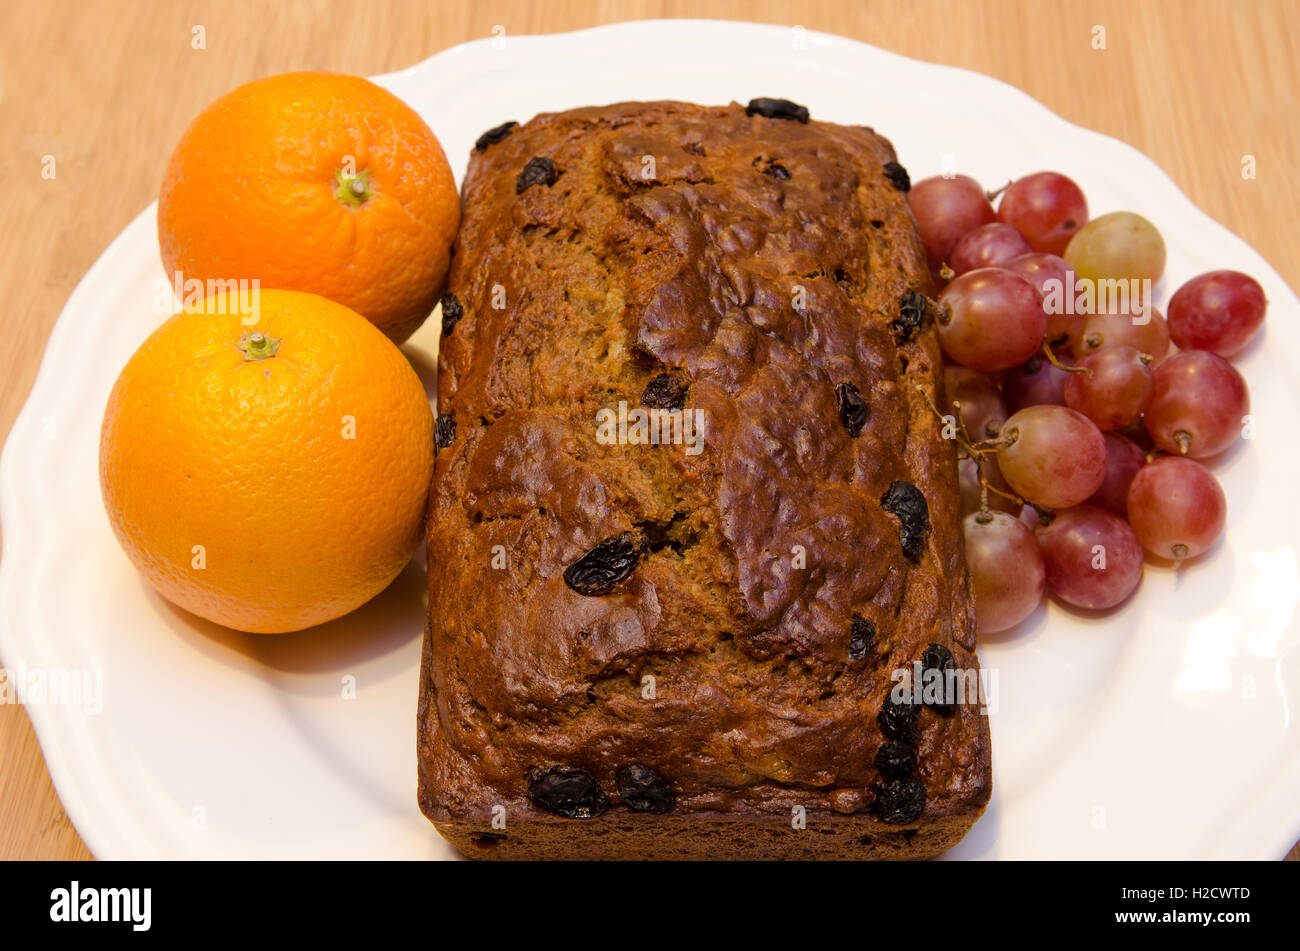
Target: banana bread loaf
x,y
694,520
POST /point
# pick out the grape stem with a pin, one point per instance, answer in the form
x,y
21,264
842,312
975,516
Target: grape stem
x,y
1051,358
990,195
963,439
974,451
985,489
1045,516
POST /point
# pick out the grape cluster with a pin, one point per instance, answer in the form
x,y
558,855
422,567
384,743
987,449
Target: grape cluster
x,y
1085,422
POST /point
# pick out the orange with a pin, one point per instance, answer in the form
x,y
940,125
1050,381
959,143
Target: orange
x,y
314,182
270,476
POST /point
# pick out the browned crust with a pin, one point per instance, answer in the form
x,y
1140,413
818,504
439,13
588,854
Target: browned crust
x,y
626,836
610,278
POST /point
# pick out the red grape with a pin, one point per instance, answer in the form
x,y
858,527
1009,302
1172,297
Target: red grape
x,y
990,319
982,412
1046,207
1220,312
1099,331
1047,272
1055,456
1092,556
945,209
1006,570
1037,382
1198,404
1123,460
972,493
1116,388
990,245
1176,507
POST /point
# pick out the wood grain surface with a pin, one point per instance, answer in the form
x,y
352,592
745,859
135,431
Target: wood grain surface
x,y
107,86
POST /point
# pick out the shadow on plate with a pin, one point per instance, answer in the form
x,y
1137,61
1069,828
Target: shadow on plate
x,y
426,368
1020,635
380,627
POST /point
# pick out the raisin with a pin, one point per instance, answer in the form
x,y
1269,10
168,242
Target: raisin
x,y
644,790
772,168
538,171
898,721
895,759
776,109
452,312
937,657
599,570
567,791
693,148
899,800
853,408
862,637
665,391
898,176
494,135
444,431
911,315
906,501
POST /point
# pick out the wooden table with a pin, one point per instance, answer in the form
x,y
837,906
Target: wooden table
x,y
107,86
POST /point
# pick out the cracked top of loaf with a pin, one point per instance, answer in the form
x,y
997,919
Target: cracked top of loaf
x,y
742,269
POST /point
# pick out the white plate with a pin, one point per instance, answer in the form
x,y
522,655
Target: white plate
x,y
1163,730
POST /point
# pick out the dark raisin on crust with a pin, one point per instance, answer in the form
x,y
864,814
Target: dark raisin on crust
x,y
494,135
853,408
644,790
906,501
693,148
937,657
665,391
776,109
895,759
452,312
771,167
911,315
444,431
538,171
899,800
898,721
603,567
567,791
898,176
862,637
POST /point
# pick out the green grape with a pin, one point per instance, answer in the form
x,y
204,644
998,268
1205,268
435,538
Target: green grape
x,y
1120,246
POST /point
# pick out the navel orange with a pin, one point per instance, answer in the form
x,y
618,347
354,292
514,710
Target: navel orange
x,y
314,182
270,476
